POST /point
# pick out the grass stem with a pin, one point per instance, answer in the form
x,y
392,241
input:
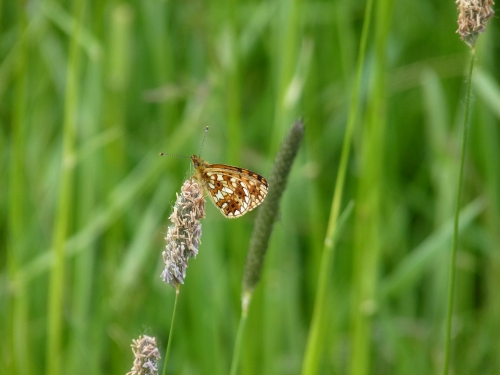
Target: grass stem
x,y
312,355
454,246
170,334
239,335
64,214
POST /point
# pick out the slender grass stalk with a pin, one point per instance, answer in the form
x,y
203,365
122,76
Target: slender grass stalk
x,y
264,223
289,12
314,342
239,334
85,264
170,334
114,117
84,274
370,199
57,283
454,246
473,18
17,325
232,83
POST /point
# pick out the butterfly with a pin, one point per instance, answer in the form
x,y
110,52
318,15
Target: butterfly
x,y
235,191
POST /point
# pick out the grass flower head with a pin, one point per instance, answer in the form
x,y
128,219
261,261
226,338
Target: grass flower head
x,y
146,356
472,18
183,235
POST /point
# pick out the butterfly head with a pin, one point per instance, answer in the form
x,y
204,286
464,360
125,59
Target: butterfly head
x,y
197,161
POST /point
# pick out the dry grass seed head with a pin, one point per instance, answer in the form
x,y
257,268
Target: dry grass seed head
x,y
472,19
183,235
146,356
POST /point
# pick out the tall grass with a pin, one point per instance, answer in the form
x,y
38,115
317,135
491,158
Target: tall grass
x,y
85,198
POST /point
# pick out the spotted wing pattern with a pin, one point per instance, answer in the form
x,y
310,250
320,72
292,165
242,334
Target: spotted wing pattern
x,y
235,191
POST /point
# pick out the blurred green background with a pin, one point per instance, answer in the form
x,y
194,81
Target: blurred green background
x,y
92,91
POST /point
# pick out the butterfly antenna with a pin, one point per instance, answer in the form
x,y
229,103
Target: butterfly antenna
x,y
203,141
175,156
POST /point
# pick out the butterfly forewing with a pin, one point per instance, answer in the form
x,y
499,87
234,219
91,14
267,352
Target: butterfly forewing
x,y
235,191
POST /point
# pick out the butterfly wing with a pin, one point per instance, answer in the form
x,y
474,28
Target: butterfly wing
x,y
235,191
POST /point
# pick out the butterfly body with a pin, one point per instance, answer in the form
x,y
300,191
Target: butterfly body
x,y
234,191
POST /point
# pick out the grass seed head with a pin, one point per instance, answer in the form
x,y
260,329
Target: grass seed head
x,y
146,356
472,19
183,235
